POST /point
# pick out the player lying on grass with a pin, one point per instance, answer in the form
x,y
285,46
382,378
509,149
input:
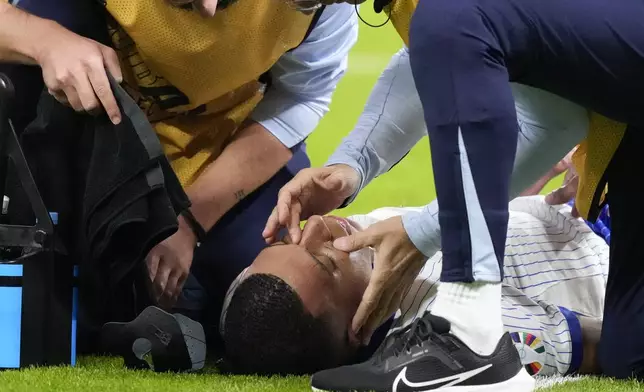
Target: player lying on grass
x,y
291,310
390,125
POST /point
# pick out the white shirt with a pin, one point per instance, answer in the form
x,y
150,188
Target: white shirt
x,y
552,261
304,79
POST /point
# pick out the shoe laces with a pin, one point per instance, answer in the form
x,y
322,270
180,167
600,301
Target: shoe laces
x,y
419,331
404,339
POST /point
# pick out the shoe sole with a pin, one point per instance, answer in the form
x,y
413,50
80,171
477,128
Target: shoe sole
x,y
521,382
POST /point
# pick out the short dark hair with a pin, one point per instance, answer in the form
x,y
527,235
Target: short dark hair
x,y
268,331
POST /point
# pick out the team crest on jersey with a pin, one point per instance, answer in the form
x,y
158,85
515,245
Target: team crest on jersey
x,y
530,349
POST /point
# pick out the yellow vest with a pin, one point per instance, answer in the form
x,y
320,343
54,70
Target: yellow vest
x,y
400,12
593,155
591,161
198,79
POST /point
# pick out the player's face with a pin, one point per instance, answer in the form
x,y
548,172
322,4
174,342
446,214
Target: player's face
x,y
328,280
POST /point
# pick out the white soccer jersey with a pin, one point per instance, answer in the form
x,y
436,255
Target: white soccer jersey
x,y
555,266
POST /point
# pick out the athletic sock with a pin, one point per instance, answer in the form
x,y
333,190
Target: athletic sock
x,y
474,310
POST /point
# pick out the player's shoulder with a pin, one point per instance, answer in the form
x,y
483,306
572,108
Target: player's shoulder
x,y
533,211
380,214
537,207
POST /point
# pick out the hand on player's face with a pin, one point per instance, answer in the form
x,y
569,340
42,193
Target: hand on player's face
x,y
314,191
397,264
327,279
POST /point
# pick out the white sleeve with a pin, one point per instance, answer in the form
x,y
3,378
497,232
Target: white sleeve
x,y
305,78
390,125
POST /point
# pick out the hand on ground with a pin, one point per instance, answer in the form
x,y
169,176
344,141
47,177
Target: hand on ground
x,y
169,264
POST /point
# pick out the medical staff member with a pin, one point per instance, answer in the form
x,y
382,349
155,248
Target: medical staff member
x,y
463,55
233,89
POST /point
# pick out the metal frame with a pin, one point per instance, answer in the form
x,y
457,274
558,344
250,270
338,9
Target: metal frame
x,y
37,236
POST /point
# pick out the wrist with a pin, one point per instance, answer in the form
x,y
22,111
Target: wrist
x,y
552,173
36,45
189,230
423,229
351,178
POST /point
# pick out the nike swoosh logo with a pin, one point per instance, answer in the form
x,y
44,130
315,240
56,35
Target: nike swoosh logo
x,y
446,381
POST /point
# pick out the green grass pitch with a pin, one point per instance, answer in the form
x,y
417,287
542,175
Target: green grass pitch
x,y
410,183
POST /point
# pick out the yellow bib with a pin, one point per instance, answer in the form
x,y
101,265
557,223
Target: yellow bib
x,y
197,78
591,161
401,12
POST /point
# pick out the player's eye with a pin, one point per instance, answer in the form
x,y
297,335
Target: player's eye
x,y
328,255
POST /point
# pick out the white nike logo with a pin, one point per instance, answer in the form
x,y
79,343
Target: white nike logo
x,y
451,380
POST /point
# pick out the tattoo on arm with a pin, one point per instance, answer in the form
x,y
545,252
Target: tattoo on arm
x,y
240,194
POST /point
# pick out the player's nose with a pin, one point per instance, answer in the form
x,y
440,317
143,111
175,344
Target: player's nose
x,y
315,231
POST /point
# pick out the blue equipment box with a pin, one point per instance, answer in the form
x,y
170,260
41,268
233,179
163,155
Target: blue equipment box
x,y
29,334
38,290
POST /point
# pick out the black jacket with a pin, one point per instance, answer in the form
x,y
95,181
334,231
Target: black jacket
x,y
116,196
112,187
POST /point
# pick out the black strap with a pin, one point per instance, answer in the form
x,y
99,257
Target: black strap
x,y
196,227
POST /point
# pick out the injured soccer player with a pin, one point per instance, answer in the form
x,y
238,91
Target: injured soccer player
x,y
290,312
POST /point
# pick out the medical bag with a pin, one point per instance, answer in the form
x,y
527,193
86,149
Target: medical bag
x,y
38,290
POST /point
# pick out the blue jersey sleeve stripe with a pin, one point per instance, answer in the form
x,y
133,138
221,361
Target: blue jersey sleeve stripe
x,y
575,335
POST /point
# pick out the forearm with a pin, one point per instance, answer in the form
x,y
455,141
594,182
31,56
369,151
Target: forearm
x,y
538,186
252,158
21,34
391,124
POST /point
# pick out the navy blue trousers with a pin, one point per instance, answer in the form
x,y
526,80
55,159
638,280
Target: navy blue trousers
x,y
230,247
463,55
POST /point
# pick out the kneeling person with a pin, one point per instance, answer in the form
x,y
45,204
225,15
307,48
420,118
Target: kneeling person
x,y
290,312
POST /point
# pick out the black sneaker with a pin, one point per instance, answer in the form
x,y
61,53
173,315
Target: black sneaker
x,y
425,356
157,340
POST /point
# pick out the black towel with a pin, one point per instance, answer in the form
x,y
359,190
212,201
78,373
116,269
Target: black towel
x,y
116,196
